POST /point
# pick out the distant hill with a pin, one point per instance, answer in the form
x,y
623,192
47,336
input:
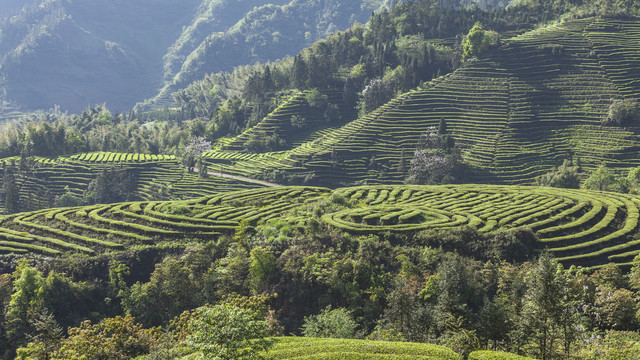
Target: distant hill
x,y
78,53
12,7
224,34
119,52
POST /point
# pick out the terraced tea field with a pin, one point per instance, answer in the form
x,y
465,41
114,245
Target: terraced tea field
x,y
50,178
579,227
98,228
278,122
342,349
517,112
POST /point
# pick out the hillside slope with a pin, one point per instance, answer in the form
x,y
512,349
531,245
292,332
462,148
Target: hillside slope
x,y
78,53
225,34
42,181
74,54
516,112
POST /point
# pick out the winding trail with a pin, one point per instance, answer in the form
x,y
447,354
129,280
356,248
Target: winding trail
x,y
241,178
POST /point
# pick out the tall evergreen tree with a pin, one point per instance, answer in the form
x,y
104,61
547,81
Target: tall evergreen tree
x,y
299,75
11,192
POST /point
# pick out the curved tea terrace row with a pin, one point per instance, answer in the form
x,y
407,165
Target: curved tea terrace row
x,y
579,227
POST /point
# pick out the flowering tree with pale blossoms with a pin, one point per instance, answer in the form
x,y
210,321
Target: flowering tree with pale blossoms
x,y
196,147
435,161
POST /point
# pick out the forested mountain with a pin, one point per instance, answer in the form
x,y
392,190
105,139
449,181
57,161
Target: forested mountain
x,y
73,54
225,34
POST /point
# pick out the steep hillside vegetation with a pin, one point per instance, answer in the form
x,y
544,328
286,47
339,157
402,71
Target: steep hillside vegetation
x,y
516,112
579,227
225,34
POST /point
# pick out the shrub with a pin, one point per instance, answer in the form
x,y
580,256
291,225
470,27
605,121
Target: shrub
x,y
110,186
604,180
119,337
477,41
633,180
623,113
374,95
431,167
228,332
565,176
329,323
615,345
554,49
513,245
316,99
262,268
298,121
68,199
436,158
259,142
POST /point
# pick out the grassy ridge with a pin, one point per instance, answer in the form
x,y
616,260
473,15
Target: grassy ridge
x,y
579,227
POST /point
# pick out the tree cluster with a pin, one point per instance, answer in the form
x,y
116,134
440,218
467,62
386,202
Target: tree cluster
x,y
478,41
565,176
95,129
603,179
436,159
623,113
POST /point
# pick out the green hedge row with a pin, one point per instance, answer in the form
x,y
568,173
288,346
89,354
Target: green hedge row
x,y
495,355
317,348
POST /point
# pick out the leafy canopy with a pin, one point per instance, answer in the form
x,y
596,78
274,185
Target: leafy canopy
x,y
227,332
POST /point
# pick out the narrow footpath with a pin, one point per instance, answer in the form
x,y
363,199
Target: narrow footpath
x,y
241,178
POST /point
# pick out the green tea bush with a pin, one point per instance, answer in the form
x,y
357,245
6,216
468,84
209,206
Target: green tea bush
x,y
320,348
495,355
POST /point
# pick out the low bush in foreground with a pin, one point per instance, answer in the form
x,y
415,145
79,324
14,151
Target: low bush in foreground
x,y
318,348
495,355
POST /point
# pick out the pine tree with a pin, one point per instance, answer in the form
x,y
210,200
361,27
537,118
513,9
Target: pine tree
x,y
11,192
299,75
442,127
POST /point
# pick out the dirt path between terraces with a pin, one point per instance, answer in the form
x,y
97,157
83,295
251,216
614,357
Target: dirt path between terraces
x,y
241,178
